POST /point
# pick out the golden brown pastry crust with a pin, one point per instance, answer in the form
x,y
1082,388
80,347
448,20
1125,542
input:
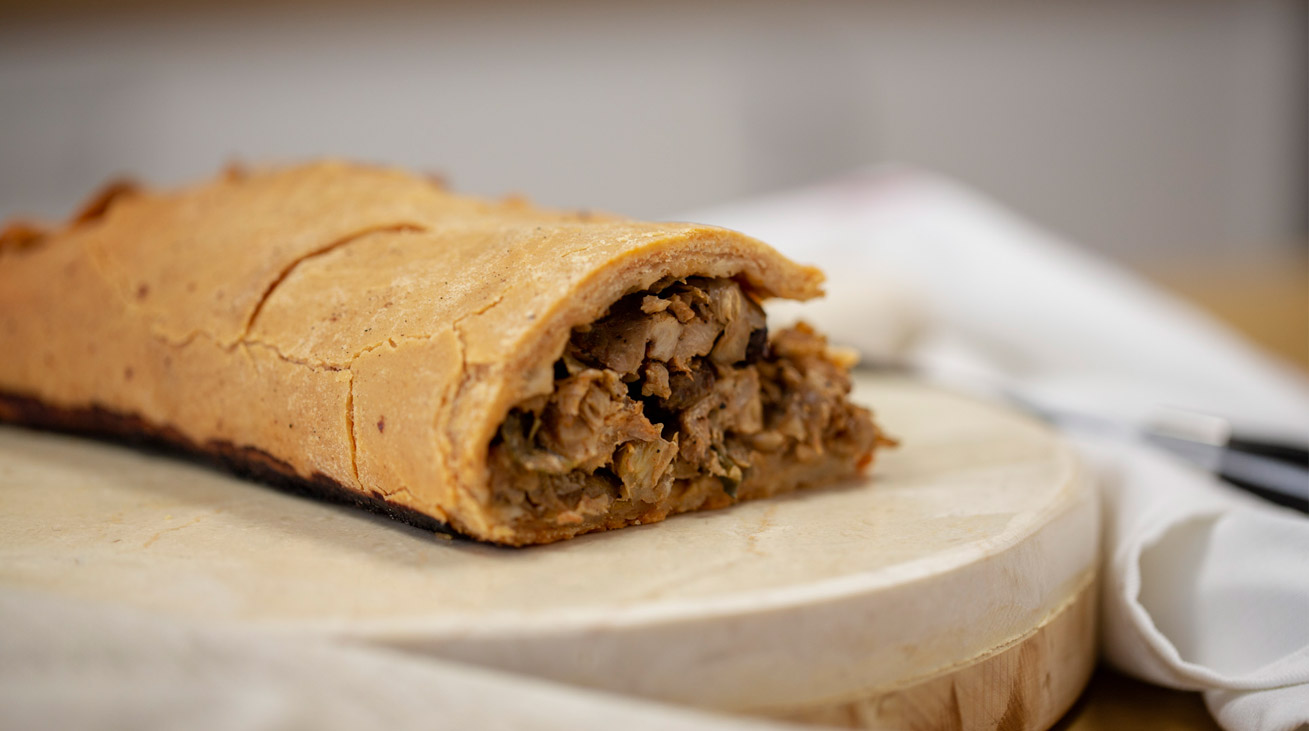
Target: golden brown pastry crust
x,y
358,325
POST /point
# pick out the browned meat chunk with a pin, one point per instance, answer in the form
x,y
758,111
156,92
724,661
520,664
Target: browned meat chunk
x,y
677,390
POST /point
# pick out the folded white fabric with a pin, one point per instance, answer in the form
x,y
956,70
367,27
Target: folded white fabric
x,y
1204,588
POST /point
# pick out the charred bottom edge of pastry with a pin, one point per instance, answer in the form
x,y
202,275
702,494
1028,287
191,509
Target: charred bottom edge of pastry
x,y
677,399
245,461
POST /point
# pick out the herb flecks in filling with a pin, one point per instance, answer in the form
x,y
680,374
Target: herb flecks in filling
x,y
676,399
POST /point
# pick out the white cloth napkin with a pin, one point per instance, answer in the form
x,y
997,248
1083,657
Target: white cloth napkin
x,y
1204,588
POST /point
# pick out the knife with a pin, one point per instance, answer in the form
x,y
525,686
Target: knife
x,y
1276,471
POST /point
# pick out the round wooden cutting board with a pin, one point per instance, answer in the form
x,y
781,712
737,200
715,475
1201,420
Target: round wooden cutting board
x,y
954,588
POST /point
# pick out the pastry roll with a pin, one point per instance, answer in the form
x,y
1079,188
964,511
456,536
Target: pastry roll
x,y
513,374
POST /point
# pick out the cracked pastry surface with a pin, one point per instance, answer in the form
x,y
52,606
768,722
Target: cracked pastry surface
x,y
518,374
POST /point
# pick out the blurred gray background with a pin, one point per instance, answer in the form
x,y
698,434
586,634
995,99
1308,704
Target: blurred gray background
x,y
1153,130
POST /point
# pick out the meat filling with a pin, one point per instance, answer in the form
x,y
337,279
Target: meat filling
x,y
678,399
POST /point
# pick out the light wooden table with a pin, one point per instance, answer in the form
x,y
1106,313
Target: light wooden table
x,y
1265,300
1268,302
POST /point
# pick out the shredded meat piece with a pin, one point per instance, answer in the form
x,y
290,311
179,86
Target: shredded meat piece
x,y
589,417
651,304
655,380
680,308
665,333
688,387
643,469
670,388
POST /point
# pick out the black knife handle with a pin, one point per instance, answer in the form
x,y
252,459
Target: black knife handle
x,y
1283,482
1296,454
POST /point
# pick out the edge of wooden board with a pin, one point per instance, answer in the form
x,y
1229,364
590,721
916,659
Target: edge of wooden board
x,y
1026,684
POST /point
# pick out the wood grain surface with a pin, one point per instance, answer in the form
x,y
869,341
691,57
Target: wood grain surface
x,y
1028,684
1264,299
